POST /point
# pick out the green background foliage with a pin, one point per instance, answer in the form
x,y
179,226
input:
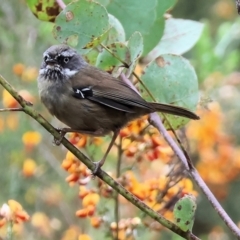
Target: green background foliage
x,y
131,29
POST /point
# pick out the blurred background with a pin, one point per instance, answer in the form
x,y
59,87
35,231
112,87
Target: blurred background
x,y
31,168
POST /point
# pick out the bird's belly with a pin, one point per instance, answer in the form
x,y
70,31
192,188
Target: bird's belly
x,y
88,116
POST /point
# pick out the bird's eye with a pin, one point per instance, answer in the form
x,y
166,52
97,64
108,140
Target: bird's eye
x,y
45,58
66,60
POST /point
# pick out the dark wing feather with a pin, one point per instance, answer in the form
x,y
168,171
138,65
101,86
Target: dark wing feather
x,y
108,90
112,104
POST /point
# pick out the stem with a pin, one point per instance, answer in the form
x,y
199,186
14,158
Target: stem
x,y
61,4
155,120
118,172
127,66
10,230
11,110
238,5
101,174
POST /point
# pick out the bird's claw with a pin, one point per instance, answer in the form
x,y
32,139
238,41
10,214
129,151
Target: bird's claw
x,y
59,140
98,166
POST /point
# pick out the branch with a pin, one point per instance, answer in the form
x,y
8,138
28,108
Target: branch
x,y
238,5
11,110
101,174
61,4
155,120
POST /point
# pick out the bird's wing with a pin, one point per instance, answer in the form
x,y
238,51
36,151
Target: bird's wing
x,y
106,90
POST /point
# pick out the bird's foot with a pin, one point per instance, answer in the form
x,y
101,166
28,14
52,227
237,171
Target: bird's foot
x,y
98,166
59,140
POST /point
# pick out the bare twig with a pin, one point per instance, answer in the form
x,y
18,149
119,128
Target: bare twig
x,y
238,6
118,172
157,123
11,110
155,120
61,4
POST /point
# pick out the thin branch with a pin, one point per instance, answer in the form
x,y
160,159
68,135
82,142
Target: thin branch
x,y
101,174
155,120
118,172
127,66
11,110
61,4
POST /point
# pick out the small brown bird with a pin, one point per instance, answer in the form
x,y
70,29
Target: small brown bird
x,y
89,100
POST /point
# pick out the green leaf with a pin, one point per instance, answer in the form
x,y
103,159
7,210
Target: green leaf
x,y
45,10
116,33
91,56
156,31
97,40
106,61
135,45
171,79
143,16
179,36
184,212
81,24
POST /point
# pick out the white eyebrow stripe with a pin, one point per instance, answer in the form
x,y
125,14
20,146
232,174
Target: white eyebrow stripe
x,y
46,55
67,54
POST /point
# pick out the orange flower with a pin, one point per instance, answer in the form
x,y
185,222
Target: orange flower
x,y
31,139
131,150
83,191
71,234
26,95
29,167
1,125
41,222
141,190
91,210
2,222
8,100
12,121
90,199
82,141
156,140
124,132
18,69
96,222
13,211
82,213
72,178
84,237
29,74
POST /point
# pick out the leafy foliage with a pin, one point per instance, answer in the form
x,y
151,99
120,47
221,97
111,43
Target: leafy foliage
x,y
137,34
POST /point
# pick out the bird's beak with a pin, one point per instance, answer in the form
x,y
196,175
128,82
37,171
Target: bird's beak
x,y
51,61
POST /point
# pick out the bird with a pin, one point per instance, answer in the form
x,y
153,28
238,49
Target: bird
x,y
89,100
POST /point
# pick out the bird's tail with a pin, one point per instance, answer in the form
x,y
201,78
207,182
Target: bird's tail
x,y
179,111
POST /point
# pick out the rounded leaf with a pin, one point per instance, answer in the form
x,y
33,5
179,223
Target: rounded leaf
x,y
116,32
135,46
81,24
184,212
107,62
171,79
179,36
45,10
